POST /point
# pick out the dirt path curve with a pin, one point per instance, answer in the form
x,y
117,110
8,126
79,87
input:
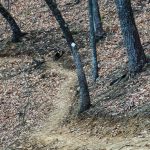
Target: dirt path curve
x,y
50,136
61,101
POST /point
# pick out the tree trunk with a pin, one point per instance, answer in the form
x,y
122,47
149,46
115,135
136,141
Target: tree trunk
x,y
17,34
93,43
84,92
76,1
53,7
131,37
98,28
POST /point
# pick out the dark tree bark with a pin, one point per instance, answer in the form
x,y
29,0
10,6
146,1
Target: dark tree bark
x,y
93,42
63,25
98,28
84,92
136,56
76,1
17,34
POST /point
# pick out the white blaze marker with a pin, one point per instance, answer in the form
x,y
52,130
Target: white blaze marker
x,y
73,45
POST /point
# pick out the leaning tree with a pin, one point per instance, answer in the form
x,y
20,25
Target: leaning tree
x,y
84,92
17,34
136,56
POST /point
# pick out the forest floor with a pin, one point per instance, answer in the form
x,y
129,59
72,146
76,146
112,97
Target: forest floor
x,y
39,103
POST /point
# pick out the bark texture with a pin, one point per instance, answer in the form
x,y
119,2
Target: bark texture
x,y
17,34
63,25
93,42
136,56
98,28
84,92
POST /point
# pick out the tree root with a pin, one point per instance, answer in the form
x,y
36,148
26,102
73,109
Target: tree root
x,y
118,79
17,38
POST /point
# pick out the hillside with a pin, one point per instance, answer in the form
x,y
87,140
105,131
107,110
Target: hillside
x,y
39,102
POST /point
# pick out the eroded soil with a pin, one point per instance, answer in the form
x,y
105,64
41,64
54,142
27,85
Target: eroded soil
x,y
39,103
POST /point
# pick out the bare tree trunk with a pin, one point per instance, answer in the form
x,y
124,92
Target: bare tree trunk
x,y
84,92
63,25
98,28
93,42
17,34
76,1
136,56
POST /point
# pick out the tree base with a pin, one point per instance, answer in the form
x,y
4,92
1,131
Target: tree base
x,y
17,37
83,109
100,36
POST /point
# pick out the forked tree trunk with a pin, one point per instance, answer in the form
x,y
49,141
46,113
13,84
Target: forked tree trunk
x,y
93,42
136,56
84,92
17,34
98,27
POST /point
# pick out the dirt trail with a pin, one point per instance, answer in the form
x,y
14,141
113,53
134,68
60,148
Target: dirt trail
x,y
67,141
52,136
61,101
